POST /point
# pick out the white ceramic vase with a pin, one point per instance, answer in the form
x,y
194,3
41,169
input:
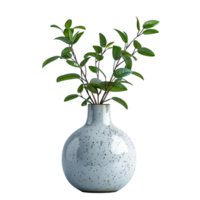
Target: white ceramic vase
x,y
98,157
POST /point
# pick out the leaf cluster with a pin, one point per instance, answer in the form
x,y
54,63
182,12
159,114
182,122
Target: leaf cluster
x,y
121,56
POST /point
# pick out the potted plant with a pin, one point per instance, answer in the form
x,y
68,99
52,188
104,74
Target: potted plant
x,y
99,157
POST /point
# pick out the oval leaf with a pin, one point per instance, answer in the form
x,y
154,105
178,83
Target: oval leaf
x,y
67,50
93,69
68,23
68,77
68,33
127,36
138,75
118,88
70,97
50,60
84,61
136,44
121,101
99,57
116,52
64,39
126,53
98,49
109,45
66,55
122,72
85,102
90,54
80,27
93,89
138,24
136,59
145,52
56,26
95,81
150,31
103,41
115,87
128,62
122,36
150,24
80,88
76,39
73,64
120,80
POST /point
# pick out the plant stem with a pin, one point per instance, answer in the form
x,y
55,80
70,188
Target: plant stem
x,y
106,92
83,74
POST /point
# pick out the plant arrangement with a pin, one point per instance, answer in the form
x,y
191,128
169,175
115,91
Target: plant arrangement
x,y
97,89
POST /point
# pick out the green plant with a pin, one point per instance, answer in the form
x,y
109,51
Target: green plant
x,y
95,86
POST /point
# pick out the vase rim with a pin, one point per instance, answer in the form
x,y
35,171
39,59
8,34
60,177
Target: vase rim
x,y
101,104
98,104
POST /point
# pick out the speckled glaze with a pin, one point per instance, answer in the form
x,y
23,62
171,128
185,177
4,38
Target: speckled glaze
x,y
98,157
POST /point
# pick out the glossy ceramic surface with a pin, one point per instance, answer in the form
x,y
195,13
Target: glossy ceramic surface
x,y
98,157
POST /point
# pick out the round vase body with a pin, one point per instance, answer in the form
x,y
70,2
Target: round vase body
x,y
98,157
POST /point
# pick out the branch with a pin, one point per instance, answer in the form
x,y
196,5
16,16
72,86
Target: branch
x,y
106,92
83,73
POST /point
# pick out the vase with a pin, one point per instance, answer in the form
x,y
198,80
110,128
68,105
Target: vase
x,y
98,157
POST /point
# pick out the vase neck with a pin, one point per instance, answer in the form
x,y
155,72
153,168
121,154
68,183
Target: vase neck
x,y
98,114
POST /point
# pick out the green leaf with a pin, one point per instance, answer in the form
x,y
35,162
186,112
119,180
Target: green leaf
x,y
136,59
122,72
116,52
122,35
72,30
103,73
89,54
68,33
120,80
85,102
138,75
93,89
138,24
80,88
50,60
99,57
72,63
67,50
64,39
150,24
116,87
95,81
148,27
126,53
128,62
68,23
93,69
109,45
70,97
98,49
77,37
103,41
121,101
136,44
68,77
145,52
65,53
150,31
80,27
128,37
56,26
84,61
